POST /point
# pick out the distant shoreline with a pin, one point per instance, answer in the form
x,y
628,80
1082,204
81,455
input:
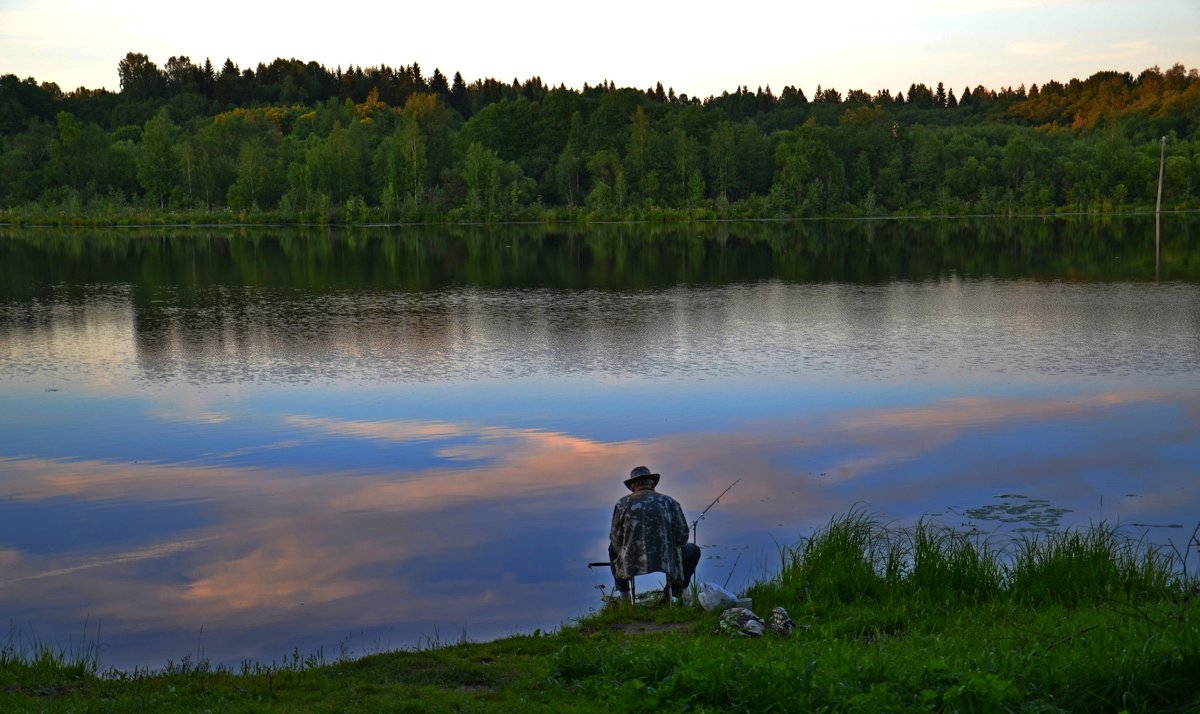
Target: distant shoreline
x,y
21,218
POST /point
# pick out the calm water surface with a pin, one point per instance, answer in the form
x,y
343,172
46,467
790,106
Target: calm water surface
x,y
232,443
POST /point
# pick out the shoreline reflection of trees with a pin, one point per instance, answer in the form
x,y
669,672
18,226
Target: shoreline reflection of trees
x,y
404,298
604,257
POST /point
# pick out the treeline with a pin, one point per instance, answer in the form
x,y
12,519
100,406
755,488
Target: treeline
x,y
294,141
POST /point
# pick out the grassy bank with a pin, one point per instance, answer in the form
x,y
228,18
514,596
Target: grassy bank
x,y
915,619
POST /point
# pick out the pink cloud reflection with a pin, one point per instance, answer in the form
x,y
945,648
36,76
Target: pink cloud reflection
x,y
360,548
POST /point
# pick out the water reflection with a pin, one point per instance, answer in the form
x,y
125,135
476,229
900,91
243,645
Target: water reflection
x,y
283,453
39,262
495,534
912,330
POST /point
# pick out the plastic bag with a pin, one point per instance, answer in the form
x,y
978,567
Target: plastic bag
x,y
714,597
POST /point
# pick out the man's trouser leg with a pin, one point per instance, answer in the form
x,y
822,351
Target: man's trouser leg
x,y
621,584
691,558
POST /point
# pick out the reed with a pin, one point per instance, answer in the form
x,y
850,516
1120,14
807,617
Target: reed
x,y
1096,563
951,566
29,657
851,559
855,558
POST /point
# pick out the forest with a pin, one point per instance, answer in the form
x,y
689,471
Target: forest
x,y
292,141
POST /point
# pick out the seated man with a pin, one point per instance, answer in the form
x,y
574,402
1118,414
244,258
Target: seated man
x,y
650,535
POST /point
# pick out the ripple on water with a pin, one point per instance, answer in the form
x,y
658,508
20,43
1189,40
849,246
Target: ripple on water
x,y
947,329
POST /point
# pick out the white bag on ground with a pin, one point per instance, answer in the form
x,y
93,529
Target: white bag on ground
x,y
715,597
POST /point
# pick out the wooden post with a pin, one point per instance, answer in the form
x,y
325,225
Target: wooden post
x,y
1162,153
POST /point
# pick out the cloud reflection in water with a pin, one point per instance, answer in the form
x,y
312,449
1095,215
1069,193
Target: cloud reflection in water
x,y
495,536
320,452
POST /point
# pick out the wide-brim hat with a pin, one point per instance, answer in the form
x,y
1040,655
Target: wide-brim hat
x,y
638,474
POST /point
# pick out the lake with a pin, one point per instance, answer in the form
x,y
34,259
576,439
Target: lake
x,y
232,443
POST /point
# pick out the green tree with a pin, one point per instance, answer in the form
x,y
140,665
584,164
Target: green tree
x,y
687,165
860,178
181,76
927,163
158,162
438,125
209,168
23,167
1178,178
754,161
810,173
637,152
1018,158
608,180
253,169
402,158
570,165
79,155
721,157
482,174
228,86
337,165
140,78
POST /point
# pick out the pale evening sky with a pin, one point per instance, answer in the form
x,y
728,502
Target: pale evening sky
x,y
698,47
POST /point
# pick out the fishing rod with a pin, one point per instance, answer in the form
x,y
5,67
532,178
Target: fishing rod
x,y
695,523
715,501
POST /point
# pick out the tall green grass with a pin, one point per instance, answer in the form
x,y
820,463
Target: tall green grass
x,y
28,657
928,618
857,559
1090,564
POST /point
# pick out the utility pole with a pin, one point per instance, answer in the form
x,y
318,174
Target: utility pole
x,y
1162,153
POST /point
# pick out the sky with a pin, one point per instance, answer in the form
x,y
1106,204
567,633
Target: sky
x,y
698,47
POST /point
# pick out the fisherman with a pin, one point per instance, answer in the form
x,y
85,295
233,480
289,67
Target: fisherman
x,y
650,535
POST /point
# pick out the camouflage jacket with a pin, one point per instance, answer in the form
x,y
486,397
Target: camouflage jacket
x,y
648,530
